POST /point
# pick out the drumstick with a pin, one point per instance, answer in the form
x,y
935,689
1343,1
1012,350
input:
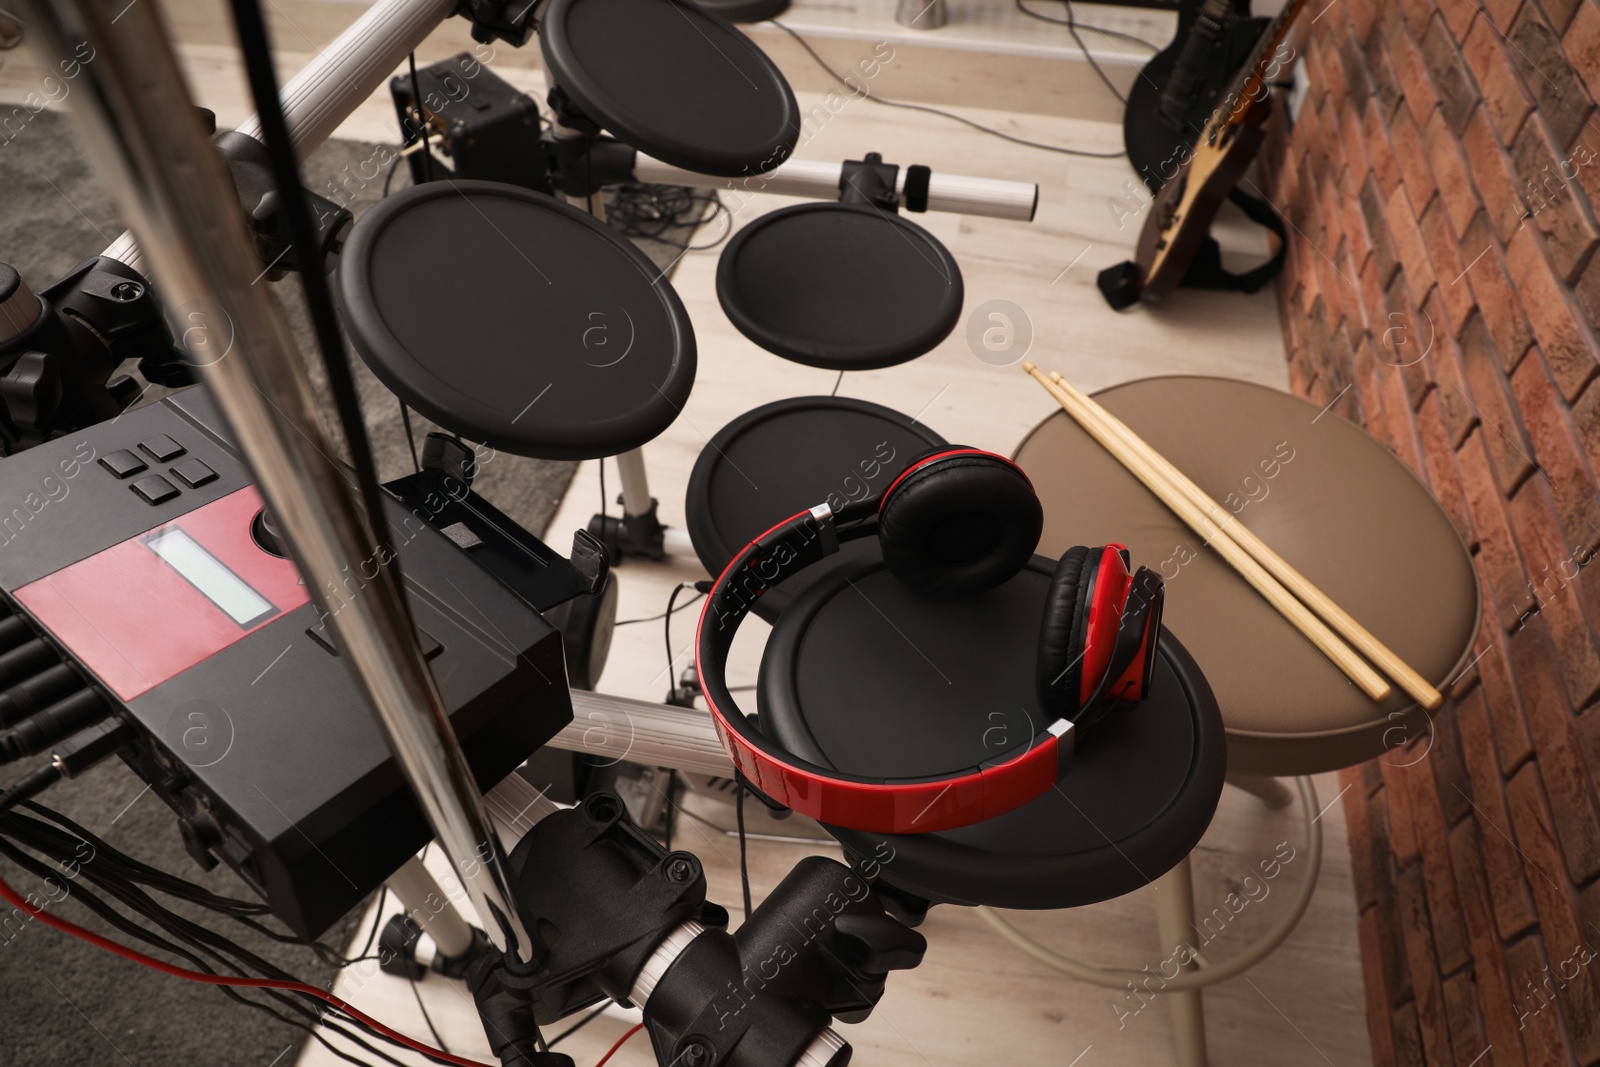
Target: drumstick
x,y
1344,624
1196,518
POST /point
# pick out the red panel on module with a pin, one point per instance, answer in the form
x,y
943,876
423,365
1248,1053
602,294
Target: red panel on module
x,y
132,619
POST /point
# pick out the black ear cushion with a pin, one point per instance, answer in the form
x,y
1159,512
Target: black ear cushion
x,y
1060,656
959,525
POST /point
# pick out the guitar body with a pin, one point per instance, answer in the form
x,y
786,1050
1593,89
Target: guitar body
x,y
1181,214
1181,85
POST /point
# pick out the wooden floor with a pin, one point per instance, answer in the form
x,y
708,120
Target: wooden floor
x,y
974,998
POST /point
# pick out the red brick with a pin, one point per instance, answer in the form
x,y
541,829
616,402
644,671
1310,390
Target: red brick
x,y
1560,12
1444,252
1505,98
1374,213
1396,975
1500,567
1424,966
1537,1015
1501,13
1586,422
1402,829
1581,42
1484,262
1488,957
1408,244
1502,864
1505,435
1351,143
1408,1050
1589,745
1362,17
1558,324
1582,161
1512,744
1412,73
1578,996
1412,158
1449,769
1547,558
1557,205
1443,477
1448,935
1408,340
1458,95
1448,164
1444,364
1368,381
1386,91
1380,151
1555,737
1561,459
1353,224
1461,1011
1459,16
1557,91
1494,176
1377,995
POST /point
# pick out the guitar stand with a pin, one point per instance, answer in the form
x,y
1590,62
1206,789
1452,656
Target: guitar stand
x,y
1118,284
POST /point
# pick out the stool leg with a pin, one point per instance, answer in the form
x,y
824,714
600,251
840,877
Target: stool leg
x,y
1270,791
635,486
1175,919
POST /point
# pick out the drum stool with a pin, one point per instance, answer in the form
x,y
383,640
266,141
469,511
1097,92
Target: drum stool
x,y
1339,507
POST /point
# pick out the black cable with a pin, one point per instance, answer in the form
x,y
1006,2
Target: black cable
x,y
411,440
744,865
652,618
603,531
29,786
667,626
377,924
651,211
115,919
438,1041
422,120
1087,26
863,94
836,383
579,1025
256,47
1071,23
389,177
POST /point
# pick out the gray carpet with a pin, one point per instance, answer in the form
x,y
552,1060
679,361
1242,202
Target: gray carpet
x,y
62,1002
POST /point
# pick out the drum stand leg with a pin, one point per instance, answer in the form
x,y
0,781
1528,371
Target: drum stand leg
x,y
425,909
1175,920
638,532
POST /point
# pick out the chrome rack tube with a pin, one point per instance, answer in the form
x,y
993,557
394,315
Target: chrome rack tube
x,y
998,198
145,138
338,80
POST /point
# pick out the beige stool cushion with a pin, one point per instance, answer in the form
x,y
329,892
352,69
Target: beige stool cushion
x,y
1332,501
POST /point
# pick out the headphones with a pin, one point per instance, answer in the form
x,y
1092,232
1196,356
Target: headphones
x,y
956,522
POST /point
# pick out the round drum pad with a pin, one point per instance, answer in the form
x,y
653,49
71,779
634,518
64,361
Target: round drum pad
x,y
672,79
514,319
840,286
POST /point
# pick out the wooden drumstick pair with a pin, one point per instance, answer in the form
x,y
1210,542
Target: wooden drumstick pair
x,y
1286,589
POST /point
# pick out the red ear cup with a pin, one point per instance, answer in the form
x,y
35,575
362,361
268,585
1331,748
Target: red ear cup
x,y
1097,637
958,522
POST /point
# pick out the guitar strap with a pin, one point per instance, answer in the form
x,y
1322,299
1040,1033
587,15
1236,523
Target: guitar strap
x,y
1206,270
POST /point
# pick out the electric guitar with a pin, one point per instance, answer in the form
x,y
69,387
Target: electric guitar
x,y
1181,85
1180,216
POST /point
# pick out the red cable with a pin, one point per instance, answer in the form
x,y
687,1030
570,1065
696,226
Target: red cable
x,y
10,895
620,1041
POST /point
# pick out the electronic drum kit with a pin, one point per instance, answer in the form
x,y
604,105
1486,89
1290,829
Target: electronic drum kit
x,y
513,318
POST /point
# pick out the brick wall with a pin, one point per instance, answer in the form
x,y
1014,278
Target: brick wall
x,y
1443,180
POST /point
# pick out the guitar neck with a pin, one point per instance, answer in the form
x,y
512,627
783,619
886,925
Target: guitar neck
x,y
1253,73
